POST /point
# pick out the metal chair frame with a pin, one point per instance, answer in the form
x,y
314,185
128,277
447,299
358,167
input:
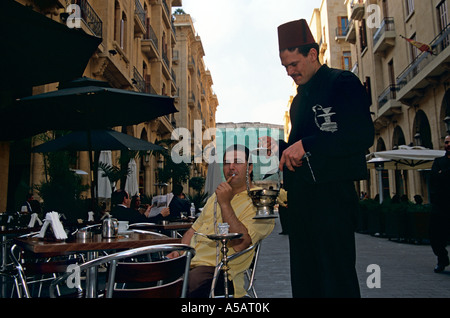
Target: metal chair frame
x,y
249,272
112,260
19,273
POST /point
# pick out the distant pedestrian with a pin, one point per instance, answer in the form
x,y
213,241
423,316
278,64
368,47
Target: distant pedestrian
x,y
418,199
440,215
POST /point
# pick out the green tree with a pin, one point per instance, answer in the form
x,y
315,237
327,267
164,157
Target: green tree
x,y
177,172
62,191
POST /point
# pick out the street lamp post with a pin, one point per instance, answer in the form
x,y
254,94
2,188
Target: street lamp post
x,y
418,139
379,168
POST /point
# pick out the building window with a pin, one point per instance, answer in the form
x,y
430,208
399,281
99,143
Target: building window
x,y
443,20
409,7
362,35
342,26
347,61
123,31
116,21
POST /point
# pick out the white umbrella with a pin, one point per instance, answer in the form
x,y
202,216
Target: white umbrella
x,y
213,176
404,158
104,185
131,185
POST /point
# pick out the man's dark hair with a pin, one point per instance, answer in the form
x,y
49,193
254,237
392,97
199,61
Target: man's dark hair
x,y
177,189
118,196
304,49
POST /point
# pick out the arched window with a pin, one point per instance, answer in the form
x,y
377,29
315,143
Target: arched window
x,y
422,130
398,139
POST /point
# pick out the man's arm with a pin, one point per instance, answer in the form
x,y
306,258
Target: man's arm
x,y
186,239
224,197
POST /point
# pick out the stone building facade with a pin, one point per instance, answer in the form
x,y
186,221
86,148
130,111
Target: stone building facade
x,y
138,53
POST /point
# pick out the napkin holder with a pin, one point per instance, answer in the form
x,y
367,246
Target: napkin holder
x,y
34,218
52,229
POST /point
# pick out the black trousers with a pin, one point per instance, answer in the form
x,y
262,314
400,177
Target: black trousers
x,y
440,235
283,213
322,221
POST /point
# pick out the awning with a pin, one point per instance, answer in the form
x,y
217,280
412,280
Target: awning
x,y
36,50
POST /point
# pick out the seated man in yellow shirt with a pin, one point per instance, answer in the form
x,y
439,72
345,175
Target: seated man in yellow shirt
x,y
233,206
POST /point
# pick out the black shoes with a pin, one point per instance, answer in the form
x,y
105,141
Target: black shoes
x,y
441,266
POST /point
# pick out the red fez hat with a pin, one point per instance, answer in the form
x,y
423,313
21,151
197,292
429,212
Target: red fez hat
x,y
294,34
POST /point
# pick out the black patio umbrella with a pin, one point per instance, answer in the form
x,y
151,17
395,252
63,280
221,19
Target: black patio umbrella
x,y
82,104
85,105
36,50
101,139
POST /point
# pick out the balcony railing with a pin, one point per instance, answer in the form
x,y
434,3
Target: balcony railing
x,y
357,7
386,26
165,58
90,17
166,7
174,78
355,69
150,34
140,11
390,93
439,44
342,31
138,80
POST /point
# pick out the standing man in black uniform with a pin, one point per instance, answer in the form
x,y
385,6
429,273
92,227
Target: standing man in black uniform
x,y
440,214
331,131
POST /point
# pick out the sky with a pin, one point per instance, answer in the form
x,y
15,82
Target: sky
x,y
241,50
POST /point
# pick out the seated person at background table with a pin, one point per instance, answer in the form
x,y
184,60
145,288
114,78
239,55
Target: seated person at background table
x,y
135,202
234,207
121,210
178,203
137,205
26,206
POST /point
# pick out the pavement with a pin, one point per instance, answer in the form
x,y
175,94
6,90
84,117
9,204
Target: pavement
x,y
406,270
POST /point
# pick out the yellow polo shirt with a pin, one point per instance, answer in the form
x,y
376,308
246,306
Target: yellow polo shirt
x,y
205,249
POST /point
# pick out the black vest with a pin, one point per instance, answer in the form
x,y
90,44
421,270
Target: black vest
x,y
331,115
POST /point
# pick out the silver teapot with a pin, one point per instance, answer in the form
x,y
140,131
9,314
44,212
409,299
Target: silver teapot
x,y
110,227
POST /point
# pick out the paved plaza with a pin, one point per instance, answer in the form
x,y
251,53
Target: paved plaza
x,y
406,269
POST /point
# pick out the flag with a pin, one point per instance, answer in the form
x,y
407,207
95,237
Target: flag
x,y
421,46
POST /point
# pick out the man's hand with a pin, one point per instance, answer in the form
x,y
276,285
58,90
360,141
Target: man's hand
x,y
270,144
173,255
292,156
147,212
224,193
165,212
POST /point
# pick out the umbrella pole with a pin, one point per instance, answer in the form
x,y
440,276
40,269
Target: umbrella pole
x,y
91,168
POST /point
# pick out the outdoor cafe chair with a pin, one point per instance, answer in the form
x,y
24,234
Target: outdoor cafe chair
x,y
28,269
167,278
249,272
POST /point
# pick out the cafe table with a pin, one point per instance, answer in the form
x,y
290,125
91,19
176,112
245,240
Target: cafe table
x,y
92,246
172,227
